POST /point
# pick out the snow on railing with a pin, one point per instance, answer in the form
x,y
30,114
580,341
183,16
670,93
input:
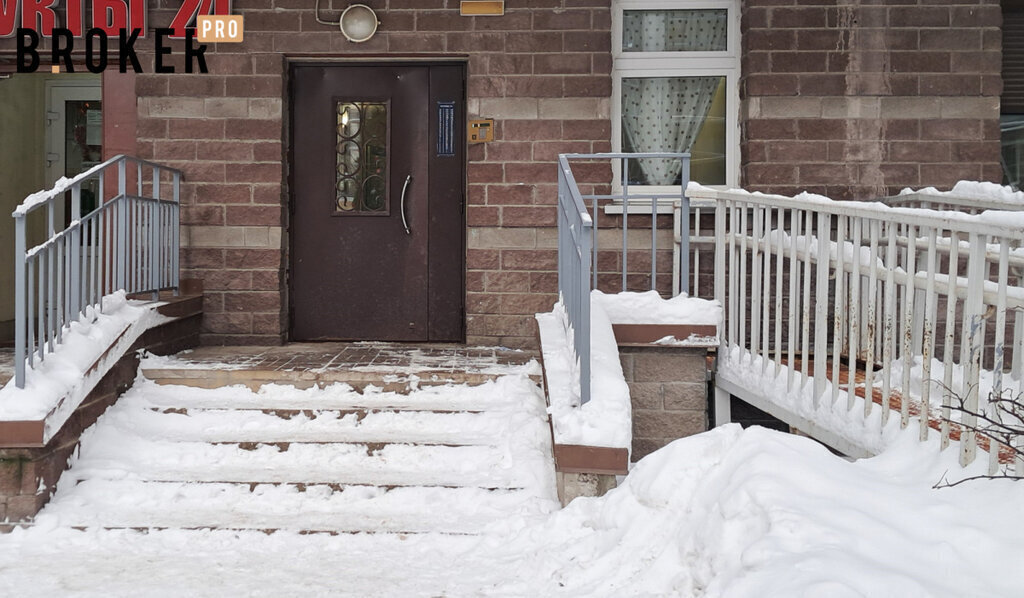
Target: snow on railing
x,y
579,254
931,301
972,197
125,242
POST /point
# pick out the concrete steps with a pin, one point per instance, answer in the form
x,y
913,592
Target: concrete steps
x,y
331,460
381,366
308,509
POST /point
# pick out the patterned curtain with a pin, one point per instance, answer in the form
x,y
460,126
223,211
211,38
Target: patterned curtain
x,y
665,114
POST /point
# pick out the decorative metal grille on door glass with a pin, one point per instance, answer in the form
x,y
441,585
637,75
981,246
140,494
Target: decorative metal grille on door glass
x,y
362,158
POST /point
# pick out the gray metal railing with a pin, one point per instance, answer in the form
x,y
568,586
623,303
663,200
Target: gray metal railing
x,y
127,242
578,242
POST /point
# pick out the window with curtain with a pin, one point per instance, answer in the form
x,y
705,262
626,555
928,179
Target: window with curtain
x,y
676,69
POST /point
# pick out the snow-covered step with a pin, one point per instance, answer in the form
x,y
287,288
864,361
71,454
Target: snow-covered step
x,y
354,426
509,393
256,379
134,504
399,368
332,459
405,465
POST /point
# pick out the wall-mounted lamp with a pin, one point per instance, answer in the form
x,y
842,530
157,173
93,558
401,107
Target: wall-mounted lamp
x,y
358,22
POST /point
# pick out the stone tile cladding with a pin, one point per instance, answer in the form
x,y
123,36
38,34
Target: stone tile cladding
x,y
860,99
542,72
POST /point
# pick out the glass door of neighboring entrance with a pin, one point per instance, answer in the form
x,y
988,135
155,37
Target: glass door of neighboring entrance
x,y
74,138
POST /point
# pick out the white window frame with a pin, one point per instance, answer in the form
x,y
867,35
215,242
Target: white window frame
x,y
678,64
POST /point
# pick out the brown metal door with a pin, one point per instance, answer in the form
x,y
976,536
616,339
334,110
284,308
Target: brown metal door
x,y
377,233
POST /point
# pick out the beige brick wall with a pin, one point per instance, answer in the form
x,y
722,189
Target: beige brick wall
x,y
668,390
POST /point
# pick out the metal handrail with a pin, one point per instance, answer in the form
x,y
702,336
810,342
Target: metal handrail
x,y
129,242
578,244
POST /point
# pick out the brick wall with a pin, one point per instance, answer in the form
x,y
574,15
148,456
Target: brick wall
x,y
669,392
859,99
541,71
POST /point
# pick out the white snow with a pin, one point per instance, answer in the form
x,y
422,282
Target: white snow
x,y
788,390
606,419
1003,222
40,197
975,190
727,513
56,386
649,307
694,340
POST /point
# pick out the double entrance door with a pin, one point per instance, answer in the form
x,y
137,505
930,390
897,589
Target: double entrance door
x,y
377,202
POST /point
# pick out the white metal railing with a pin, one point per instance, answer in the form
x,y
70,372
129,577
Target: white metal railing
x,y
579,251
128,242
930,302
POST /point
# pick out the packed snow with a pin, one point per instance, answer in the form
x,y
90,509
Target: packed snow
x,y
694,340
55,386
649,307
175,457
726,513
606,419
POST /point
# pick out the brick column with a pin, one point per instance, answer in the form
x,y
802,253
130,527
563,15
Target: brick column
x,y
668,389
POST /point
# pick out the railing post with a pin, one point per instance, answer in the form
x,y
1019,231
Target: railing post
x,y
20,307
625,221
176,231
720,261
821,305
973,342
583,334
74,269
122,225
684,215
156,236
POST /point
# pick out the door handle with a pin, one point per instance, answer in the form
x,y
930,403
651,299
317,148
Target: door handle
x,y
405,188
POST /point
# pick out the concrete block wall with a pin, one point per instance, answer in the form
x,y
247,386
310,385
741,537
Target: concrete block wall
x,y
859,99
542,72
668,389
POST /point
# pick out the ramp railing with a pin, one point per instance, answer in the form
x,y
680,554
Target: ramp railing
x,y
907,311
579,246
127,241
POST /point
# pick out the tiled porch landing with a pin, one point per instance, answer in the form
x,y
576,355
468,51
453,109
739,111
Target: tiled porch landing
x,y
390,366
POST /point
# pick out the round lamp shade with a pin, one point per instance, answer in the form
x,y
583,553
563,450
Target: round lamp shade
x,y
358,23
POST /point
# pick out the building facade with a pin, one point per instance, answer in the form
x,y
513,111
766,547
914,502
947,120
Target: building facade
x,y
330,191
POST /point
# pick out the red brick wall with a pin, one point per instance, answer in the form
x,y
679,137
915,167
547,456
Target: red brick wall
x,y
542,72
860,99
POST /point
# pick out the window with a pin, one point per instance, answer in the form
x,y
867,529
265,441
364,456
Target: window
x,y
362,159
675,88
